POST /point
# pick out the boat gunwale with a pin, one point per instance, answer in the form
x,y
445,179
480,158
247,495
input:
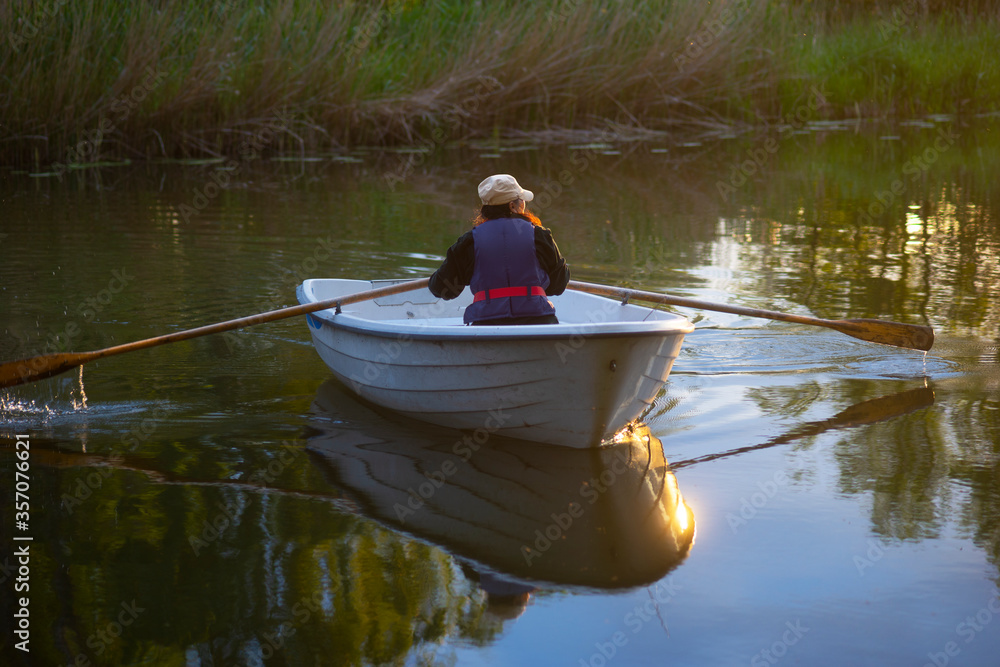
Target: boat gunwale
x,y
666,324
495,333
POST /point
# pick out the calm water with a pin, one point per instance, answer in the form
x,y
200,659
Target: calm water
x,y
224,502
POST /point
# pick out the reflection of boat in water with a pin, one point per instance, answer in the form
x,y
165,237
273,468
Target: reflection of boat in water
x,y
604,517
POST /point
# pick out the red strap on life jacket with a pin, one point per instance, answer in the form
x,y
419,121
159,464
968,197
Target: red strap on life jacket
x,y
501,292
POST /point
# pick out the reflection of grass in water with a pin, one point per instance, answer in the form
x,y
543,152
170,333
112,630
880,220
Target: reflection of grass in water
x,y
85,165
295,75
853,226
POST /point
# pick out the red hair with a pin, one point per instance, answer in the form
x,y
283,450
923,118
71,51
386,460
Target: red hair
x,y
503,211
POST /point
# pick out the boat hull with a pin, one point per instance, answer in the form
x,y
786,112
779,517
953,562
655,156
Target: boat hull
x,y
574,384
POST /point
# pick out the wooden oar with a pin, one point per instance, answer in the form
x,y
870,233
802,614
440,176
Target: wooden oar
x,y
36,368
912,336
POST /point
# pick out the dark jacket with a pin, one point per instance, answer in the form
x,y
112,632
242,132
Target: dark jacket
x,y
499,239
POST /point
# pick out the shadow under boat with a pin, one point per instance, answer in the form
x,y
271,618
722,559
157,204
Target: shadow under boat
x,y
517,514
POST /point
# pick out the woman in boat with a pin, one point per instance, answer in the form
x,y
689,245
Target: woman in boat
x,y
508,259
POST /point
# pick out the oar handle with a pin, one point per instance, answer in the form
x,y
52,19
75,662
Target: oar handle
x,y
911,336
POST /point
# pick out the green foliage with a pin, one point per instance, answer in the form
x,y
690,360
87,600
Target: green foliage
x,y
77,85
905,69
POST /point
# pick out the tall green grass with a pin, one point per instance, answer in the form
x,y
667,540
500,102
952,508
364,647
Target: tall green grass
x,y
96,80
903,65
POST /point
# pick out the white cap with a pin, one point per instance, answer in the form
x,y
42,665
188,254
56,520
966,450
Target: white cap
x,y
501,189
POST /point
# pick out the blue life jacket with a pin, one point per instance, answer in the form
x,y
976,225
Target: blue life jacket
x,y
506,264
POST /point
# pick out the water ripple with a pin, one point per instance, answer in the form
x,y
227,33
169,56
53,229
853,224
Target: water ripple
x,y
790,350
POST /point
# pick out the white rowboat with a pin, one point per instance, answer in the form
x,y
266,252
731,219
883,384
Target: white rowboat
x,y
576,383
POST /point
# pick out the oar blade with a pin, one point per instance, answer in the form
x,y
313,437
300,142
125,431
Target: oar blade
x,y
13,373
897,334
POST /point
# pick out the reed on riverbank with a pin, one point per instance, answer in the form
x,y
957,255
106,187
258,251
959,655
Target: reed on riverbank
x,y
101,80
